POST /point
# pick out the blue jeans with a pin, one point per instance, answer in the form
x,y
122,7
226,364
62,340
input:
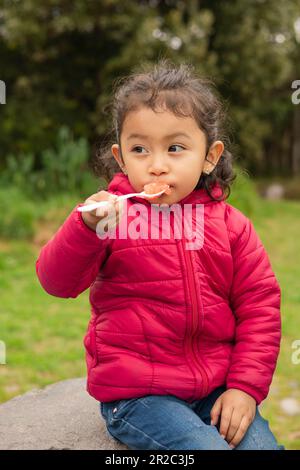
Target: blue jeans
x,y
164,422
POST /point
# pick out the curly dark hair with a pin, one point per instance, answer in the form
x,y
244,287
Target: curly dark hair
x,y
185,94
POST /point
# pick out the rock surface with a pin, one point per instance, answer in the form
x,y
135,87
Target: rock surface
x,y
290,406
60,416
274,191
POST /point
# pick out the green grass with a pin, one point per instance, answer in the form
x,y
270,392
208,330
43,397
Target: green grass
x,y
44,334
278,224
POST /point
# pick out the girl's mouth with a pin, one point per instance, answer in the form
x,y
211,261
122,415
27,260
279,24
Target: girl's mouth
x,y
157,187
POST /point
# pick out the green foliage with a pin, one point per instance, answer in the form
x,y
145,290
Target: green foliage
x,y
18,172
64,169
244,195
27,193
17,214
62,59
64,165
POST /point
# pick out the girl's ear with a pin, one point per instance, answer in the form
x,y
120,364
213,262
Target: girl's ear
x,y
115,150
213,156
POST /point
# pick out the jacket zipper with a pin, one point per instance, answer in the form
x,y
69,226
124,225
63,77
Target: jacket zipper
x,y
194,325
192,284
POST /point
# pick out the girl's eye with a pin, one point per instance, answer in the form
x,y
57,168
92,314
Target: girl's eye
x,y
139,147
176,145
134,149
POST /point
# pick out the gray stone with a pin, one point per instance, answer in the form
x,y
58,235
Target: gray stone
x,y
274,191
290,406
60,416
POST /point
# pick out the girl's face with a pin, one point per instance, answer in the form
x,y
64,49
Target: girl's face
x,y
164,147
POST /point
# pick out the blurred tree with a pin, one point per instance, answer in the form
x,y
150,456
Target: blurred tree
x,y
256,44
60,59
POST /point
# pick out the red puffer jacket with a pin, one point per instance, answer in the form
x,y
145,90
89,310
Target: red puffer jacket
x,y
166,319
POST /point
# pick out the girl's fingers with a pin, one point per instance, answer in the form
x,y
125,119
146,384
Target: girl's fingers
x,y
102,211
113,213
235,422
241,431
91,201
99,197
110,209
119,205
215,412
226,417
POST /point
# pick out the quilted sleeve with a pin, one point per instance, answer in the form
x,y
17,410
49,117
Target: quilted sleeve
x,y
71,259
255,301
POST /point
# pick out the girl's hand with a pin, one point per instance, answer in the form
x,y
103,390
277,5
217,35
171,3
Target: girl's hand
x,y
238,410
92,218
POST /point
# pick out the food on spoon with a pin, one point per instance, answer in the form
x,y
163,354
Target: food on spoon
x,y
153,188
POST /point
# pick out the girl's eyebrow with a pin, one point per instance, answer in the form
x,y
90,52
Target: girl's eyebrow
x,y
141,136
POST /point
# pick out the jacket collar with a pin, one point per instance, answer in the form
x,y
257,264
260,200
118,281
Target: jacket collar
x,y
120,184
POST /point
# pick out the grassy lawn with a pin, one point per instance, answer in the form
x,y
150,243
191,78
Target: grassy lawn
x,y
44,334
278,225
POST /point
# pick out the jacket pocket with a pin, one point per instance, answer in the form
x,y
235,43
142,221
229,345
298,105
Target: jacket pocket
x,y
90,346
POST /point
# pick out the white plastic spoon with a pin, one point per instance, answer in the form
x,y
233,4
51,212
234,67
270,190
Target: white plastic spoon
x,y
91,207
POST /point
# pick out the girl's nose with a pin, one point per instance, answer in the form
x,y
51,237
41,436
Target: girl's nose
x,y
158,167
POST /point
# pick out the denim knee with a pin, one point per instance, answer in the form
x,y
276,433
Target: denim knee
x,y
259,436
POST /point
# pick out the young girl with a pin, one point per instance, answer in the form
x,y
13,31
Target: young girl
x,y
183,341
